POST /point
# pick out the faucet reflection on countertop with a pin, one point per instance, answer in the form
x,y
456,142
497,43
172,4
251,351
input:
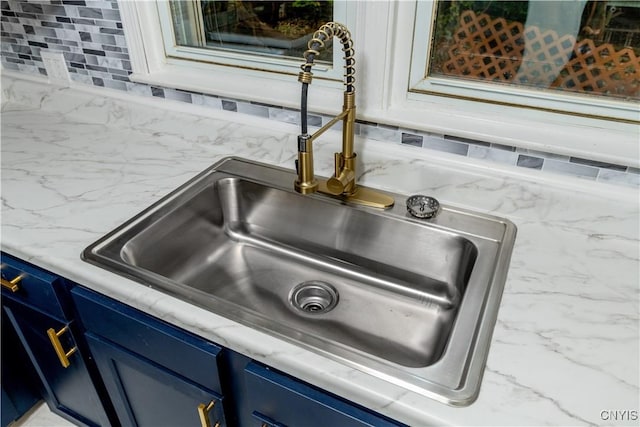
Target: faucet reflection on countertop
x,y
343,182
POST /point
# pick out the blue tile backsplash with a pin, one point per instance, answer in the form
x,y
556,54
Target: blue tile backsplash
x,y
90,36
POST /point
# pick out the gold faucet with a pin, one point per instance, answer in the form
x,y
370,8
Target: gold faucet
x,y
343,182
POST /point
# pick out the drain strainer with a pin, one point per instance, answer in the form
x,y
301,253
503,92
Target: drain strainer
x,y
314,297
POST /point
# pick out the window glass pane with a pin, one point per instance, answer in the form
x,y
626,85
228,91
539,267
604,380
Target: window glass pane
x,y
588,47
274,28
183,20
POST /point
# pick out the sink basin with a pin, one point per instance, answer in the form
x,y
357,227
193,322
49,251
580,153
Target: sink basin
x,y
411,301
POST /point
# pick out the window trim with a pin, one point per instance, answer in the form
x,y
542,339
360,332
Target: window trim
x,y
538,130
383,35
343,12
151,65
606,108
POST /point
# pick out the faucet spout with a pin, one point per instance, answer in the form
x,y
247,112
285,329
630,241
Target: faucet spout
x,y
343,182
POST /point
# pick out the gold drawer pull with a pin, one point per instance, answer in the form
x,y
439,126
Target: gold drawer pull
x,y
203,411
54,337
12,285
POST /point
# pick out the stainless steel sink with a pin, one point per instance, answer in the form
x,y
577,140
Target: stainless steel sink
x,y
411,301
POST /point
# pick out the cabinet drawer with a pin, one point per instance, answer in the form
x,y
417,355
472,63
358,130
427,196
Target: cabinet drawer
x,y
32,286
279,400
183,353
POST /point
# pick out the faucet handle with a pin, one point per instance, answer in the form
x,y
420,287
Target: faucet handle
x,y
338,160
343,179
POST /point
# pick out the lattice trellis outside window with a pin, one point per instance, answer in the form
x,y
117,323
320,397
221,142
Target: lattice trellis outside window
x,y
499,51
580,57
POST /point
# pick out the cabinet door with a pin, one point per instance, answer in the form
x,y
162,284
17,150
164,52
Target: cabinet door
x,y
185,354
20,386
276,400
9,411
69,390
146,394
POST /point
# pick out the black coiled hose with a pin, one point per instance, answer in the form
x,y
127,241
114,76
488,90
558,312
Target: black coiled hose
x,y
325,33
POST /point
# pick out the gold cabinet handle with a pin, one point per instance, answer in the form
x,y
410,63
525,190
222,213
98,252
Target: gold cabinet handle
x,y
12,285
203,411
54,337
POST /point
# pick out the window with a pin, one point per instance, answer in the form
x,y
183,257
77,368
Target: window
x,y
264,35
401,75
555,55
275,28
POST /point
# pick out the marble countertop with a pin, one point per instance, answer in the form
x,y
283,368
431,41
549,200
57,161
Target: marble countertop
x,y
78,162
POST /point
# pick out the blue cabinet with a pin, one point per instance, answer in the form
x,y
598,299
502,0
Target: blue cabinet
x,y
9,411
275,399
36,308
157,375
20,385
147,394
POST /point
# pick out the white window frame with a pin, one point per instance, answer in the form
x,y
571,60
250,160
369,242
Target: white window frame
x,y
342,11
152,65
608,108
384,34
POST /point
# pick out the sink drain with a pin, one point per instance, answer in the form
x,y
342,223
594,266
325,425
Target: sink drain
x,y
314,297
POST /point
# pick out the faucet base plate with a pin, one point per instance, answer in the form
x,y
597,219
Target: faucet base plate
x,y
361,196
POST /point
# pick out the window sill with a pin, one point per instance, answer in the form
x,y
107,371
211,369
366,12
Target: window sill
x,y
256,86
610,142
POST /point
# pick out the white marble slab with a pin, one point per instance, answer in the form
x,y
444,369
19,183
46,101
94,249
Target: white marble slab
x,y
76,163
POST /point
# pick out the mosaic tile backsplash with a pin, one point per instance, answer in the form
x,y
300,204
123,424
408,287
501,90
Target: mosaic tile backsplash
x,y
90,36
